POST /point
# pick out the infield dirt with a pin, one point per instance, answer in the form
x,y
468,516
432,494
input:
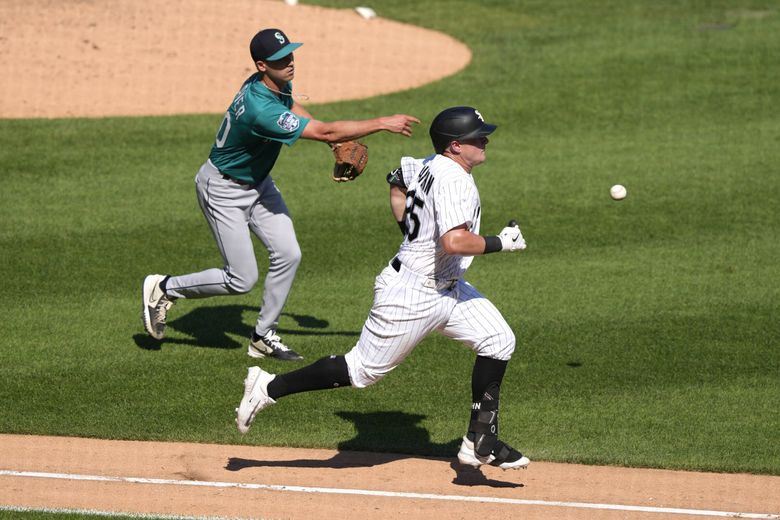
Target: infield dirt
x,y
259,482
116,58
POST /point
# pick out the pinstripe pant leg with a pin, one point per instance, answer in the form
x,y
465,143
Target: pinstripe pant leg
x,y
476,322
403,313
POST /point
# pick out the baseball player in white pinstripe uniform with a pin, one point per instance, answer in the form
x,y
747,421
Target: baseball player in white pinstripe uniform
x,y
437,206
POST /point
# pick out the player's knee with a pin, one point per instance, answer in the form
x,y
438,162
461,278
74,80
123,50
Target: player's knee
x,y
242,281
370,376
289,256
506,344
499,345
361,375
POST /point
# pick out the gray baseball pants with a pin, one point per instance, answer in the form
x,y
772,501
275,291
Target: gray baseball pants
x,y
232,211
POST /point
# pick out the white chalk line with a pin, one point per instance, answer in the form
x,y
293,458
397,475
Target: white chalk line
x,y
391,494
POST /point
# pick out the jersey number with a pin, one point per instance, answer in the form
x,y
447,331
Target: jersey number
x,y
412,220
223,131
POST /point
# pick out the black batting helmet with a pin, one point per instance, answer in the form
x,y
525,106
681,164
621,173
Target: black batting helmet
x,y
458,123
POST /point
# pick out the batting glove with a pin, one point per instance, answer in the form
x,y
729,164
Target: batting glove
x,y
511,239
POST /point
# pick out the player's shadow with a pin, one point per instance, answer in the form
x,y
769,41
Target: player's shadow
x,y
399,434
211,326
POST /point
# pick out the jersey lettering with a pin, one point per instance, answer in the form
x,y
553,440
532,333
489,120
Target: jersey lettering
x,y
411,218
224,129
426,180
238,101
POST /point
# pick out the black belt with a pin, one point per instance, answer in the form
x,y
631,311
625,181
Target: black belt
x,y
396,264
242,183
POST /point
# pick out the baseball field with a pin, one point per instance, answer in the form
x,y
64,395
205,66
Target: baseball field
x,y
648,329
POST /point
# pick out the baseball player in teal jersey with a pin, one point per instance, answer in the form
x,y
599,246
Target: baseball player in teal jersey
x,y
237,194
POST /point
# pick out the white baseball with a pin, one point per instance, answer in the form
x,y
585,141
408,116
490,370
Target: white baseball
x,y
366,12
618,192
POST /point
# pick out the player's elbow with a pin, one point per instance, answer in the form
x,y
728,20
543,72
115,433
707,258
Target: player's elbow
x,y
319,131
457,241
450,244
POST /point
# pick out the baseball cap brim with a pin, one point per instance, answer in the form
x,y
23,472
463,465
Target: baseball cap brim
x,y
284,51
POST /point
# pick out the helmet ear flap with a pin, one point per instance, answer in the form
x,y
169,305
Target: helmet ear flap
x,y
441,144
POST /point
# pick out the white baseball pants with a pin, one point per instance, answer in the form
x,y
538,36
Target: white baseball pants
x,y
407,307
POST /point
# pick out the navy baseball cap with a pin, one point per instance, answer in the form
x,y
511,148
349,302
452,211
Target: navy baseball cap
x,y
271,45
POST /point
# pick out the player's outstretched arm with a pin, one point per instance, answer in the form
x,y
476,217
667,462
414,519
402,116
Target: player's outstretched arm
x,y
341,131
460,241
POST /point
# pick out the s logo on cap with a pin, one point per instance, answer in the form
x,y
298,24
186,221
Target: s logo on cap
x,y
279,37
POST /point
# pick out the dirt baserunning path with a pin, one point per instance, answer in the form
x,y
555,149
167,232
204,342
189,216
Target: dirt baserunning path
x,y
258,482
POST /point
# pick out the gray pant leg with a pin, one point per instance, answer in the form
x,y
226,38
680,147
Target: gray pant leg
x,y
226,206
270,221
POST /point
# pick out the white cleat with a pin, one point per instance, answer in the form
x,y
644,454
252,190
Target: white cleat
x,y
255,397
155,306
271,345
503,456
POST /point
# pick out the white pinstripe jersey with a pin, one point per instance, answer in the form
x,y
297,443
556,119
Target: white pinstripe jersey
x,y
440,196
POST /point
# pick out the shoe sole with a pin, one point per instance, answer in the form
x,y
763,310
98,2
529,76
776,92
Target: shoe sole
x,y
474,463
148,287
297,358
477,464
254,353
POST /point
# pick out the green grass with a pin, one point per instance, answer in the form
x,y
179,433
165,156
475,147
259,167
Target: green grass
x,y
48,514
647,329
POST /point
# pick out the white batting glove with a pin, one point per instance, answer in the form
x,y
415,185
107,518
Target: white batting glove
x,y
511,239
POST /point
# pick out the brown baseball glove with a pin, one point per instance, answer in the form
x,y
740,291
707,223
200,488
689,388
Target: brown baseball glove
x,y
351,159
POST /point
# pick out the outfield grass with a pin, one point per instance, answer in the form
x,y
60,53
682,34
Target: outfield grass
x,y
46,514
647,329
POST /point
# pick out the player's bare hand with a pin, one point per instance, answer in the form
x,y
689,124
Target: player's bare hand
x,y
399,124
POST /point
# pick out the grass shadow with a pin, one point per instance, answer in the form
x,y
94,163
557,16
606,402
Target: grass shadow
x,y
211,326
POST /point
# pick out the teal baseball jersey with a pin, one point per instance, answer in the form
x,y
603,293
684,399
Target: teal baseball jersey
x,y
255,126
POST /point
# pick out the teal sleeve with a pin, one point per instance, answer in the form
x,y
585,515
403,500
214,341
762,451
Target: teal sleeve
x,y
279,124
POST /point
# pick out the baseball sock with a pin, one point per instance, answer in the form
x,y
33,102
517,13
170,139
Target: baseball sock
x,y
163,283
485,388
486,371
327,372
